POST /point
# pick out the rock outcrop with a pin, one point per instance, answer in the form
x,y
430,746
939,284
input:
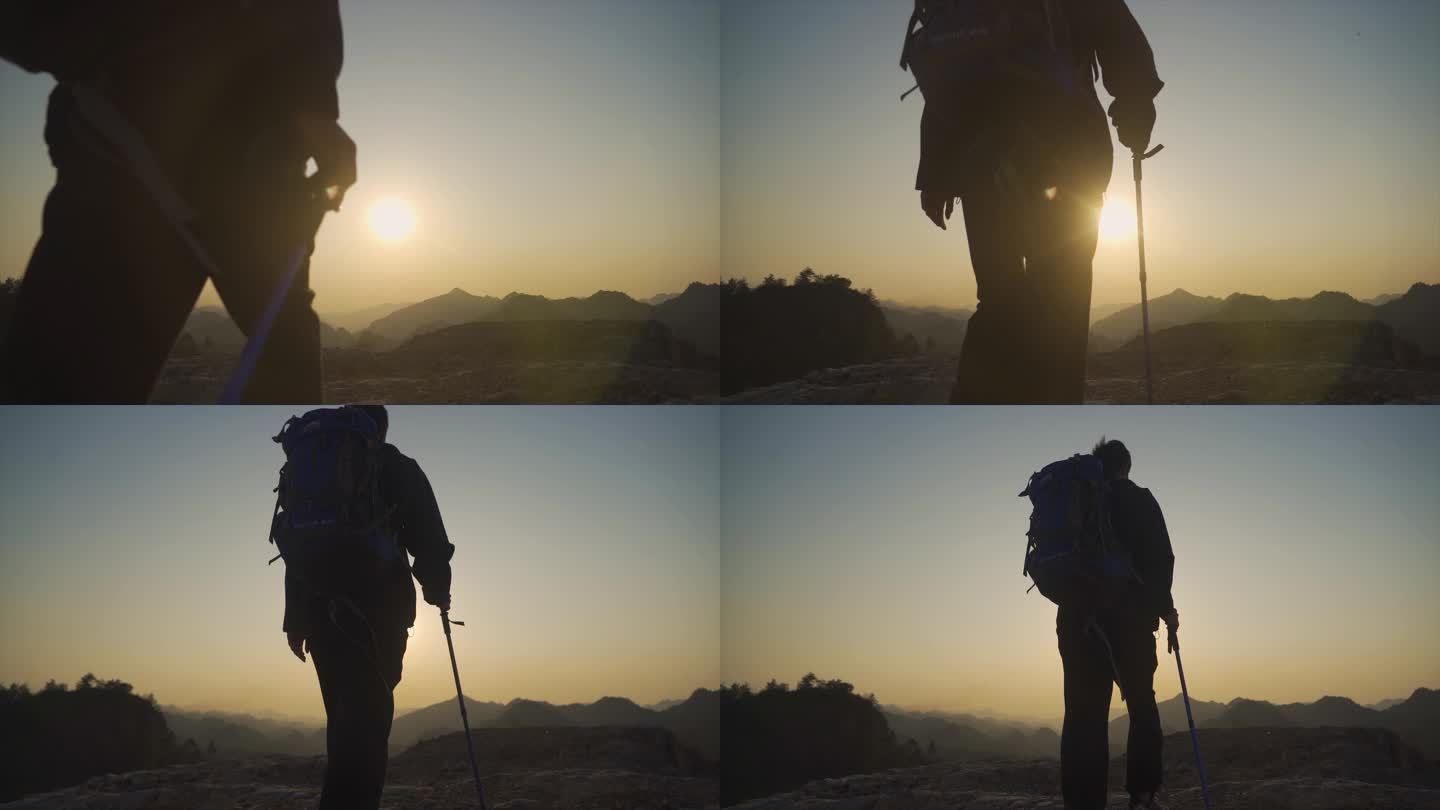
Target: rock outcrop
x,y
1247,769
555,769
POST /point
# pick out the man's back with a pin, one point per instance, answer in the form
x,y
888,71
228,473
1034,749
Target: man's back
x,y
414,519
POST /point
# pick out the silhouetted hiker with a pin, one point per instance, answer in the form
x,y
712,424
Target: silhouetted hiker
x,y
174,121
1020,139
1098,548
349,597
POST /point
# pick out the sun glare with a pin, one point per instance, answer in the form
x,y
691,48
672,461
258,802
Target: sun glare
x,y
392,220
1117,221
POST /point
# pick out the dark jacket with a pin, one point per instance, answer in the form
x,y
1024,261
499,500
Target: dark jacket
x,y
200,80
420,531
1140,529
1069,142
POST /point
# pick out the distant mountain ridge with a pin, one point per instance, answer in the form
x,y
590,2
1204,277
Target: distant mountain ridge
x,y
934,328
1414,315
1416,718
695,721
693,315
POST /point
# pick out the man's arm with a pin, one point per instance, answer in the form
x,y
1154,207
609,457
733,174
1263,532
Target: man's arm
x,y
312,52
1128,71
939,159
1159,559
295,596
421,531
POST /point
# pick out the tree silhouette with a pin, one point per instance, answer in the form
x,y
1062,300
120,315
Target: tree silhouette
x,y
59,736
779,738
778,331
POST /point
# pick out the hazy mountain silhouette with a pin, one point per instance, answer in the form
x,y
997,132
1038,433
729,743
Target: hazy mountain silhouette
x,y
1243,713
1416,719
695,720
1324,306
609,711
947,738
440,718
694,315
1176,308
358,320
233,735
212,329
1172,718
530,714
454,307
933,329
1414,315
602,306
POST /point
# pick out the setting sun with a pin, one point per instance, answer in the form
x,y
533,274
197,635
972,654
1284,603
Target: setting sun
x,y
1117,221
392,219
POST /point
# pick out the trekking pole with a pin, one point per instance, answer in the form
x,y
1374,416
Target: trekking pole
x,y
460,696
1136,159
240,377
1194,735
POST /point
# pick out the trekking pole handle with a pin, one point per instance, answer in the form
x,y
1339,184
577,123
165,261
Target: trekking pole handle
x,y
1137,157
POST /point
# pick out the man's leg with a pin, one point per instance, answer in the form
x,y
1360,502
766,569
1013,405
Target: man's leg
x,y
357,675
1084,739
256,228
1137,660
1061,253
106,292
994,360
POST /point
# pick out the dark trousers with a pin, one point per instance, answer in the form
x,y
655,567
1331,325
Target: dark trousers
x,y
1026,342
110,283
358,675
1084,742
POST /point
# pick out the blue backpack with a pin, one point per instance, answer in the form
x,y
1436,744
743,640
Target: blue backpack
x,y
1073,555
966,50
330,523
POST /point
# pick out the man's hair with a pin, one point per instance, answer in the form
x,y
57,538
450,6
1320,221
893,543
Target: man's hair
x,y
381,417
1113,456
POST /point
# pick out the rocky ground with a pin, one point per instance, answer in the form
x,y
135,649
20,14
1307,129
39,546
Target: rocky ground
x,y
533,769
501,363
1197,364
1247,769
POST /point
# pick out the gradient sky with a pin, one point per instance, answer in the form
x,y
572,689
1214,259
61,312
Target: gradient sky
x,y
562,146
1300,152
551,146
133,544
884,546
